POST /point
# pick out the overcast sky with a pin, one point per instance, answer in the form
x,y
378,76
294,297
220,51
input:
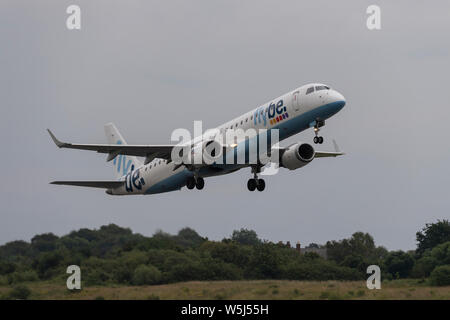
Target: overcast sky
x,y
154,66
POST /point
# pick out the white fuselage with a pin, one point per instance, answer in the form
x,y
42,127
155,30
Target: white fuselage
x,y
290,113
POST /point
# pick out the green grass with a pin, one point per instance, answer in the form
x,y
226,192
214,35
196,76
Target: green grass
x,y
258,289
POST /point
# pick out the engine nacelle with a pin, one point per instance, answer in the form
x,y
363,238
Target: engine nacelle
x,y
297,156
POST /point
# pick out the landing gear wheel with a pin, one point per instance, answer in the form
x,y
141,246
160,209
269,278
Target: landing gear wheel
x,y
200,183
251,184
190,183
261,185
317,139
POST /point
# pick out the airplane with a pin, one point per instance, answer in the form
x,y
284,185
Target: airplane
x,y
305,107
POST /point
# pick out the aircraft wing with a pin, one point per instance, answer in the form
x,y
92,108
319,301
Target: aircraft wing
x,y
147,151
92,184
323,154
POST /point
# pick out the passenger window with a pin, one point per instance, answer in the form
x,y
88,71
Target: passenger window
x,y
311,89
242,121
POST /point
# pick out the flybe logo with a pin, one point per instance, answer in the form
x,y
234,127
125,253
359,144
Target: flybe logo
x,y
133,180
273,113
120,162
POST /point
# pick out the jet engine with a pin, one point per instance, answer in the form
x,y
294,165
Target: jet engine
x,y
297,156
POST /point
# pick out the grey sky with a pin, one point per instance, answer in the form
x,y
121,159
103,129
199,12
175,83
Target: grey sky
x,y
153,66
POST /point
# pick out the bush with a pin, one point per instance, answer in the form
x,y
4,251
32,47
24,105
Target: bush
x,y
96,271
7,267
29,275
319,270
423,267
245,237
215,269
20,292
439,255
399,264
46,263
146,275
228,252
186,272
440,276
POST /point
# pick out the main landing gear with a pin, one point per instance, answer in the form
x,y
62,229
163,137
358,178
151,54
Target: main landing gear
x,y
256,183
193,182
317,139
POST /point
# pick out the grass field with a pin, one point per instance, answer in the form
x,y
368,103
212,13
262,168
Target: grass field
x,y
263,289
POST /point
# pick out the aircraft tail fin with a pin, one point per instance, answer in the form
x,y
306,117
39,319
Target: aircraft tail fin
x,y
122,164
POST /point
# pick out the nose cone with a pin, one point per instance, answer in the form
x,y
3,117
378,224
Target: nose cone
x,y
338,100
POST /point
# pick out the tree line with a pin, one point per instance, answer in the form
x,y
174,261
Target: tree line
x,y
115,255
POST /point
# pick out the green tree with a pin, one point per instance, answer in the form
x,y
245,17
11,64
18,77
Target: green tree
x,y
440,276
439,255
215,269
11,250
432,235
46,262
191,270
229,252
360,246
423,267
246,237
188,237
399,263
146,275
318,270
127,264
7,267
265,262
44,242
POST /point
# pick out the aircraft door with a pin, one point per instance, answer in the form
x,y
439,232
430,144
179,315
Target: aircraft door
x,y
296,101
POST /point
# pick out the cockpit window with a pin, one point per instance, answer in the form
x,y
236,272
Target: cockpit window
x,y
310,89
322,88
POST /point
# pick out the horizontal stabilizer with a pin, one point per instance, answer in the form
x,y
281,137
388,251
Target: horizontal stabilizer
x,y
91,184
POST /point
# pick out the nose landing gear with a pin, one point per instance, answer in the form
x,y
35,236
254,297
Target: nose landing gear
x,y
317,139
256,183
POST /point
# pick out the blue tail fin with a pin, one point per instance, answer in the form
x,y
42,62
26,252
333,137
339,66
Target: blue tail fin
x,y
122,164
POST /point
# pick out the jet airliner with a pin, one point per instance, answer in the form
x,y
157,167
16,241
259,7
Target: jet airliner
x,y
305,107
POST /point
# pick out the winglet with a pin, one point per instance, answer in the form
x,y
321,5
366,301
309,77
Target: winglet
x,y
56,141
336,147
